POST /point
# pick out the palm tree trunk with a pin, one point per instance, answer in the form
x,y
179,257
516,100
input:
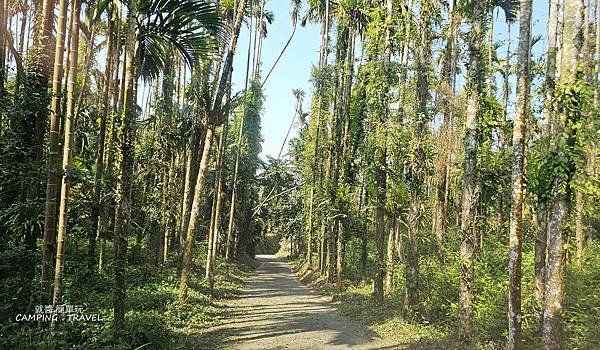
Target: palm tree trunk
x,y
66,162
230,251
381,173
192,163
345,152
416,174
216,226
99,205
469,192
38,72
24,14
542,214
215,116
294,25
107,206
53,159
540,252
89,51
580,196
389,270
579,226
441,179
168,210
551,63
194,213
554,293
516,211
333,151
123,214
490,55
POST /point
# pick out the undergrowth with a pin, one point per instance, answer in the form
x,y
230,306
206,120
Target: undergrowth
x,y
434,326
154,318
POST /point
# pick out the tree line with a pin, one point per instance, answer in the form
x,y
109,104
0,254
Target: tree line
x,y
415,147
415,167
124,113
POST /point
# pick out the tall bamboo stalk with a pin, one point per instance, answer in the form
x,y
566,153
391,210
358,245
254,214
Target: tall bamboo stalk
x,y
66,162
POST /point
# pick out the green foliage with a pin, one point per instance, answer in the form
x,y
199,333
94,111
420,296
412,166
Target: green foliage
x,y
554,162
190,27
154,318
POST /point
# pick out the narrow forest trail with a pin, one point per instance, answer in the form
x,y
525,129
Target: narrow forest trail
x,y
277,312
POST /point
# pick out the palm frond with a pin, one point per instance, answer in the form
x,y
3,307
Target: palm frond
x,y
510,8
191,27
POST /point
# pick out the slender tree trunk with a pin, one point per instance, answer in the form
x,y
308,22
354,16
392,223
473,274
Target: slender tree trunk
x,y
380,179
38,72
554,290
579,226
216,227
294,25
551,64
515,341
89,51
53,159
258,38
411,297
506,85
490,55
554,293
404,57
381,175
389,271
230,252
333,149
99,204
347,75
215,116
168,211
399,242
66,162
331,250
123,214
220,193
364,254
322,250
323,53
192,163
540,252
580,198
440,206
24,13
542,214
416,173
187,260
107,208
470,195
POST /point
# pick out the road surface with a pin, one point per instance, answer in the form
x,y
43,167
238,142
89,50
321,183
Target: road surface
x,y
277,312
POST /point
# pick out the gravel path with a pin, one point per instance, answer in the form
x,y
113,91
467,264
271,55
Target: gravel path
x,y
277,312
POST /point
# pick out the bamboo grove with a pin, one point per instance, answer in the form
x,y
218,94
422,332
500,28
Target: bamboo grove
x,y
456,181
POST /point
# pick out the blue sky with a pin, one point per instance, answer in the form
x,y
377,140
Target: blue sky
x,y
293,70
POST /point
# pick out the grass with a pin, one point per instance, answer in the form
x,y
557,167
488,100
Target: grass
x,y
387,321
154,318
434,325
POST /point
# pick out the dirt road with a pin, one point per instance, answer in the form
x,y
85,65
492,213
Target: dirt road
x,y
277,312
